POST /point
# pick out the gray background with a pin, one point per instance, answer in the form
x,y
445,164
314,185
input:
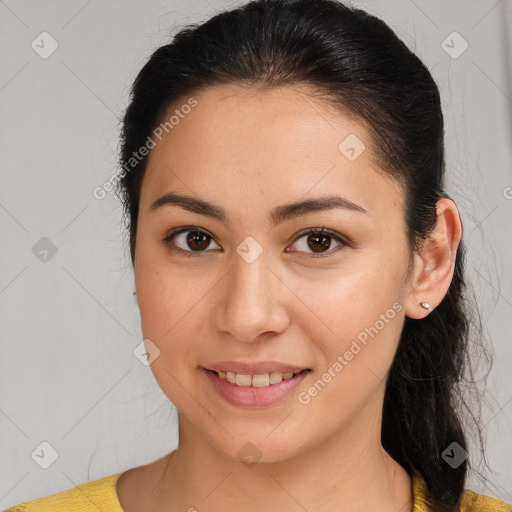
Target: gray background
x,y
69,325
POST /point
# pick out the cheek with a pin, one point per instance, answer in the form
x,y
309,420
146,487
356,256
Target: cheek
x,y
171,324
172,306
357,350
356,326
346,302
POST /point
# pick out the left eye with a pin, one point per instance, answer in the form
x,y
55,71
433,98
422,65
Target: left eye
x,y
317,239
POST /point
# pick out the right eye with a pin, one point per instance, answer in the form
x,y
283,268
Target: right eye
x,y
193,241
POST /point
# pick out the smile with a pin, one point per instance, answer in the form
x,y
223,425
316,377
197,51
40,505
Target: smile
x,y
244,390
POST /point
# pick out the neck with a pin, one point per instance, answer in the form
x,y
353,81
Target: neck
x,y
350,468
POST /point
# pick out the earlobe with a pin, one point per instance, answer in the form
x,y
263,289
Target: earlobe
x,y
420,299
435,262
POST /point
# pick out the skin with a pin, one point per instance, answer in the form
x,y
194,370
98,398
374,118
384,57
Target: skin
x,y
250,151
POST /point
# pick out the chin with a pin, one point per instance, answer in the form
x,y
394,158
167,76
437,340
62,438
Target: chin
x,y
260,449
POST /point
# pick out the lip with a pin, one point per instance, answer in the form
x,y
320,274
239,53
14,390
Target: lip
x,y
255,368
251,397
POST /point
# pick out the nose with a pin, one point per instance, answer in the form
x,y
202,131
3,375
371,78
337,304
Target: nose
x,y
253,302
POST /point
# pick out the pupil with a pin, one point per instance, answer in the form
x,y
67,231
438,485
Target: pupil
x,y
196,237
319,242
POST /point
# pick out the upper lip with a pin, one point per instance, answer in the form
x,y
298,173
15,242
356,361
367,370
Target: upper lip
x,y
254,368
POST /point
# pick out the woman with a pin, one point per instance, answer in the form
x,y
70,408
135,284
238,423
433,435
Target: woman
x,y
299,271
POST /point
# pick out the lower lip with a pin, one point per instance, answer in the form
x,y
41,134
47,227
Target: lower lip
x,y
250,396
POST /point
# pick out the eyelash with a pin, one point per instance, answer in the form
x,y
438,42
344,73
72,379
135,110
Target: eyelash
x,y
319,231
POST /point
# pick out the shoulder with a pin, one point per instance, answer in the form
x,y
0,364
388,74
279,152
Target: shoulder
x,y
474,502
95,495
470,500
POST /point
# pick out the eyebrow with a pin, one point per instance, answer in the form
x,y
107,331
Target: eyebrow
x,y
276,216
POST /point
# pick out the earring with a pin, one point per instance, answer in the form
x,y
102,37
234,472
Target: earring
x,y
134,293
425,305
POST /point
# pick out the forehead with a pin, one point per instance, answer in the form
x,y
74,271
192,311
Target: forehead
x,y
278,143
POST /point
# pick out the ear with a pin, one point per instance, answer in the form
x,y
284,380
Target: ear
x,y
435,263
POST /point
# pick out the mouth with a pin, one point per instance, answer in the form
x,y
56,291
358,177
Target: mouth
x,y
257,381
255,391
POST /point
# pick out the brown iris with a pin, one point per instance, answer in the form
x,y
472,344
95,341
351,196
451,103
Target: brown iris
x,y
317,241
198,241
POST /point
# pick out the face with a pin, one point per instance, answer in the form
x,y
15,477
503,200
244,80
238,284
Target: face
x,y
228,293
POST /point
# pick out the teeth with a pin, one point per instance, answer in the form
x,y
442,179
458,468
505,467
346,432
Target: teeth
x,y
257,381
260,381
275,377
242,380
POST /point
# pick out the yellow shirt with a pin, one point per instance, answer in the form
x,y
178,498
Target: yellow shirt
x,y
101,495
